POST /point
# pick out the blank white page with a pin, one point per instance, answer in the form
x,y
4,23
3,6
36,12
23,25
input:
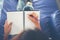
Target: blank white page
x,y
17,22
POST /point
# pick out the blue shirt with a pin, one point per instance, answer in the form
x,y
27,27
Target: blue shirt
x,y
8,5
46,7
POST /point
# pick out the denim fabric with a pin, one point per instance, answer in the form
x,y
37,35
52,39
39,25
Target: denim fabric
x,y
1,28
8,5
56,23
46,8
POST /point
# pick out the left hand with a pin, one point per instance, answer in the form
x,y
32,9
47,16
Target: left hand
x,y
7,28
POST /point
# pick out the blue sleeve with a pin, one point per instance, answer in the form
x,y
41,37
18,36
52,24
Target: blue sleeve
x,y
8,5
45,6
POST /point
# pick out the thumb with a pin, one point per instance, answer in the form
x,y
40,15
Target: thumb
x,y
10,25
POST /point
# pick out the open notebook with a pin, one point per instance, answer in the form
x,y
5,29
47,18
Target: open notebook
x,y
18,22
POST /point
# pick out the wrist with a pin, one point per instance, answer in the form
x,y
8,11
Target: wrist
x,y
5,36
38,26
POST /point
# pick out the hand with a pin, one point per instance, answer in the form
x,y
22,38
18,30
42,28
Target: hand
x,y
7,28
34,18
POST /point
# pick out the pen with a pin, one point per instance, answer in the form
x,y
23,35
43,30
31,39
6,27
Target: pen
x,y
34,17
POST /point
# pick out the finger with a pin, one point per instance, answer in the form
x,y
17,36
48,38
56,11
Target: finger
x,y
32,19
35,14
10,26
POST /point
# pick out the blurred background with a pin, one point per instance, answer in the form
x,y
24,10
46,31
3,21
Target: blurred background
x,y
1,3
1,6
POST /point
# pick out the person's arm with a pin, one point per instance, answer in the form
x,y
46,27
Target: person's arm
x,y
7,29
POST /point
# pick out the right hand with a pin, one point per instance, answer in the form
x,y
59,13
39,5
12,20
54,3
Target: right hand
x,y
34,18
